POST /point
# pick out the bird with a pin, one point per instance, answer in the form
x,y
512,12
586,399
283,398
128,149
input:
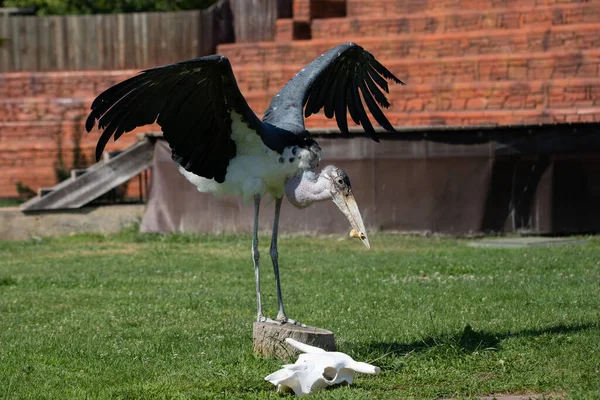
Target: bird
x,y
221,146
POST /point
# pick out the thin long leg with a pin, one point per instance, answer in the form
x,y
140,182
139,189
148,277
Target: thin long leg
x,y
281,317
256,256
275,257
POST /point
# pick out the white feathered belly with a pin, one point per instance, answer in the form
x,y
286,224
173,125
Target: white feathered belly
x,y
255,169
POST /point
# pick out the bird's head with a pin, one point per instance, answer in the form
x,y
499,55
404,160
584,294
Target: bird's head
x,y
332,183
341,193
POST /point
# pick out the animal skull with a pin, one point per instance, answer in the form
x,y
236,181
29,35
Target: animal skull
x,y
316,369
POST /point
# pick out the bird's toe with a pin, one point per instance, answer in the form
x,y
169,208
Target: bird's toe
x,y
286,320
268,320
281,320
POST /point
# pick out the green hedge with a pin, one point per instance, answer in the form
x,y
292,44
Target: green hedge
x,y
60,7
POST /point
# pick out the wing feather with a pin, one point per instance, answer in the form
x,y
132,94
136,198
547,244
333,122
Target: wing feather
x,y
352,110
192,101
362,115
379,80
373,108
334,83
376,92
341,105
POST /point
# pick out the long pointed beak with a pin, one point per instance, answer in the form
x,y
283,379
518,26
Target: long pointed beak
x,y
347,205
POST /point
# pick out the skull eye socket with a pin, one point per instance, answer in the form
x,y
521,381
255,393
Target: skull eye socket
x,y
329,373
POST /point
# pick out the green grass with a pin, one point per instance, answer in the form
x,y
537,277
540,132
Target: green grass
x,y
135,316
10,202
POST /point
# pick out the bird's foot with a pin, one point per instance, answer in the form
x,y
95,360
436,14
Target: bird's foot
x,y
260,318
294,322
281,320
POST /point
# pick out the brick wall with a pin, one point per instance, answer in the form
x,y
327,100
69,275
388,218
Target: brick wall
x,y
41,117
396,7
465,62
457,21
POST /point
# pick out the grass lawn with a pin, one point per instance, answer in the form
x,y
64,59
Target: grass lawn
x,y
133,316
11,202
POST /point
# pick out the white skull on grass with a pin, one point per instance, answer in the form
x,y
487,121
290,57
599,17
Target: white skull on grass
x,y
317,369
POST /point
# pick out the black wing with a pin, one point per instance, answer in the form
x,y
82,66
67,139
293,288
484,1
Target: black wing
x,y
192,101
335,82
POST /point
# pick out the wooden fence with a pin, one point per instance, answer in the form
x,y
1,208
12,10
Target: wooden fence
x,y
123,41
254,20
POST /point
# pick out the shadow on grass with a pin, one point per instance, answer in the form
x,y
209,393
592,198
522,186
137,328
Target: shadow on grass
x,y
466,341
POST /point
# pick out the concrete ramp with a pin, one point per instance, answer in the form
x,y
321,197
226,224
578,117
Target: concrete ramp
x,y
91,183
527,242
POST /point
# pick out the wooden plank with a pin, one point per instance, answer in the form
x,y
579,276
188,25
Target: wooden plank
x,y
45,45
90,47
84,54
77,43
6,43
98,180
99,46
526,242
108,31
120,42
137,54
179,19
161,48
255,19
71,41
16,40
170,50
113,41
134,41
145,43
206,41
31,59
129,57
174,45
183,38
153,38
60,45
186,38
194,33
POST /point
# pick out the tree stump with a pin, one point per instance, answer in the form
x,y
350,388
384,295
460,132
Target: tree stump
x,y
269,339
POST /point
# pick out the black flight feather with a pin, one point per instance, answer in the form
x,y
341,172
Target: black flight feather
x,y
192,101
362,115
373,108
353,111
340,105
330,83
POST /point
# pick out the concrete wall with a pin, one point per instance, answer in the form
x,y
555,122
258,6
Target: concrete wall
x,y
15,225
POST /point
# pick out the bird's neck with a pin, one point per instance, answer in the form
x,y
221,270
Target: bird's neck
x,y
305,189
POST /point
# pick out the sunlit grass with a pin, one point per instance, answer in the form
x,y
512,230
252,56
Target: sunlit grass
x,y
137,316
9,202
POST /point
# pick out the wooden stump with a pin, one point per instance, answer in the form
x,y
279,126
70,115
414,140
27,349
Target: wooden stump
x,y
269,339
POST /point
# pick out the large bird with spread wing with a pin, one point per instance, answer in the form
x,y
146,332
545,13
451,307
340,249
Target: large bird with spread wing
x,y
221,146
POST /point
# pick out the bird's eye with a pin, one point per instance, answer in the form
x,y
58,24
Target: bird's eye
x,y
340,181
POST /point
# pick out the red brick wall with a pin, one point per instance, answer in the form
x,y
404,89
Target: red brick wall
x,y
456,21
42,112
395,7
465,62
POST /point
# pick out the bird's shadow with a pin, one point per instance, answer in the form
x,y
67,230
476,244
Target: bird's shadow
x,y
467,341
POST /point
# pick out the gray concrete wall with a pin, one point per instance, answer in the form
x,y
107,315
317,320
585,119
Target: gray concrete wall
x,y
16,225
